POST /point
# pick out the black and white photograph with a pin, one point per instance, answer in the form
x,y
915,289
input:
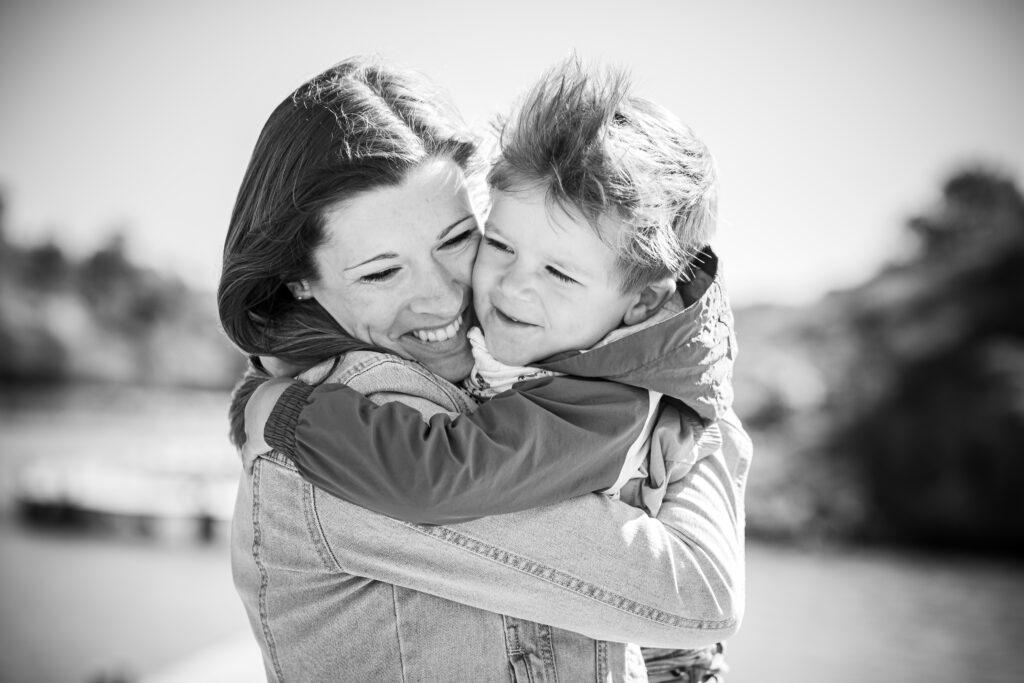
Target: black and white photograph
x,y
392,341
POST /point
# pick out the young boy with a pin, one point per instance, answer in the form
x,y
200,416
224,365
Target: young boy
x,y
601,202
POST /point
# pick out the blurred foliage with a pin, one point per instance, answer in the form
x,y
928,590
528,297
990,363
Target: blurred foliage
x,y
104,318
894,412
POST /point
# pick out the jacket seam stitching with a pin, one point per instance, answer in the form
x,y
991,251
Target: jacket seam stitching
x,y
547,651
319,535
567,581
316,530
345,374
279,459
601,659
398,633
346,377
264,577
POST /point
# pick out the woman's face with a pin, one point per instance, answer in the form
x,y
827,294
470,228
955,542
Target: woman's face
x,y
395,269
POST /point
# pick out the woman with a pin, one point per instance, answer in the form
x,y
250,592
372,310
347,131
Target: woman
x,y
352,240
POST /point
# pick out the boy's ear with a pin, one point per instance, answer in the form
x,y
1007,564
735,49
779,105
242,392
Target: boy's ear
x,y
649,300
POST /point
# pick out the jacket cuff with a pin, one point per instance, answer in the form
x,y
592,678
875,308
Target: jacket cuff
x,y
279,432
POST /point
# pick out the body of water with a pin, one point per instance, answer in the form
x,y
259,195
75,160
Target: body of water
x,y
77,605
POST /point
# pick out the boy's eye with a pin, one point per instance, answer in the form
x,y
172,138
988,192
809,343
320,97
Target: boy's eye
x,y
500,246
562,277
459,239
380,275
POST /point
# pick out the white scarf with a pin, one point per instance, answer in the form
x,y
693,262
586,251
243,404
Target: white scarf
x,y
490,376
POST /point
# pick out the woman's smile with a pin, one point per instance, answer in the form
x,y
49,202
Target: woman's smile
x,y
439,334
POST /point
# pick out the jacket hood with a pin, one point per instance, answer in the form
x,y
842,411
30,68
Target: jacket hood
x,y
685,351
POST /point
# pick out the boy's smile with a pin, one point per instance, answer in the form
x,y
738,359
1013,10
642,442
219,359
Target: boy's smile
x,y
543,281
504,317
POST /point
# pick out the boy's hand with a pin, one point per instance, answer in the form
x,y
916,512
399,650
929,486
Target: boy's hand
x,y
257,411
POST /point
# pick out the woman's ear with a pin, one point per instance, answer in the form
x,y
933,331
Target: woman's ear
x,y
300,289
649,300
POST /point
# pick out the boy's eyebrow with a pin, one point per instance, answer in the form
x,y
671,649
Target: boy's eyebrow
x,y
390,254
489,225
569,267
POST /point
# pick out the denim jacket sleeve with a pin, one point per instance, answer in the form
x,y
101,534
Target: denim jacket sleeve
x,y
591,565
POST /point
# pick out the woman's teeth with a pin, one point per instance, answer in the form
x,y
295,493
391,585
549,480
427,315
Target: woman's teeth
x,y
439,334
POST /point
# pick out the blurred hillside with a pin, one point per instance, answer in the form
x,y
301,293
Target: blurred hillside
x,y
894,412
102,318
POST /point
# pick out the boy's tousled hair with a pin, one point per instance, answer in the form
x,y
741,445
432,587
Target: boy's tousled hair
x,y
581,135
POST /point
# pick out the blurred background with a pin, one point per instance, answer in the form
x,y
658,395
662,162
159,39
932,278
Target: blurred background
x,y
873,234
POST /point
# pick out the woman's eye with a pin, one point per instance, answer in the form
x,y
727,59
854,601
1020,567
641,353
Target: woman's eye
x,y
380,275
459,239
562,277
500,246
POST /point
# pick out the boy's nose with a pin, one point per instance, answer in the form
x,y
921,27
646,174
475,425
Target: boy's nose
x,y
516,284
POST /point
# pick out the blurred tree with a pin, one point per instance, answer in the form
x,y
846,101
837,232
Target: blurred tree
x,y
125,297
978,209
107,270
106,318
937,440
46,268
3,219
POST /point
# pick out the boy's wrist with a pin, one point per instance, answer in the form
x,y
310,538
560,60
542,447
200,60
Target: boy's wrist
x,y
283,420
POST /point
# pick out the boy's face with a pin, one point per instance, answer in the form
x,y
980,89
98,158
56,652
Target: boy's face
x,y
543,281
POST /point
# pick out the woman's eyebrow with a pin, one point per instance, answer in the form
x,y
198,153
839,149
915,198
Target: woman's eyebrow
x,y
454,225
378,257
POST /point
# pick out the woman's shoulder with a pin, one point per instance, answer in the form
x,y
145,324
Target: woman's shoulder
x,y
384,377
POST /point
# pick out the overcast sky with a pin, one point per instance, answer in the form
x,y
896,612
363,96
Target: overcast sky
x,y
830,122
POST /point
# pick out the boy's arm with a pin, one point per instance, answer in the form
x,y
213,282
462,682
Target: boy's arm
x,y
559,438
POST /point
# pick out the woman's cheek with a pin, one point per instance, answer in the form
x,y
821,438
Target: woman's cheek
x,y
367,316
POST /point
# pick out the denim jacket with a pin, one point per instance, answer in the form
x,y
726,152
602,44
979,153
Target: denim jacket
x,y
336,592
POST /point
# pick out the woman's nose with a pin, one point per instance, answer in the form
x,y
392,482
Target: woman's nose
x,y
438,292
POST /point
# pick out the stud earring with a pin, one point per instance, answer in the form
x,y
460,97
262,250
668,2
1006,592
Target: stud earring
x,y
300,290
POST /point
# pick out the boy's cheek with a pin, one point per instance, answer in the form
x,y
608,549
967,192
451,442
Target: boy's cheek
x,y
483,277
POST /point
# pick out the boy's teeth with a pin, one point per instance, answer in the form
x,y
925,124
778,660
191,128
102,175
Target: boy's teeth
x,y
439,334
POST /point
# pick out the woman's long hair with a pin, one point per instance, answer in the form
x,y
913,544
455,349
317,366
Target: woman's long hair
x,y
359,125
